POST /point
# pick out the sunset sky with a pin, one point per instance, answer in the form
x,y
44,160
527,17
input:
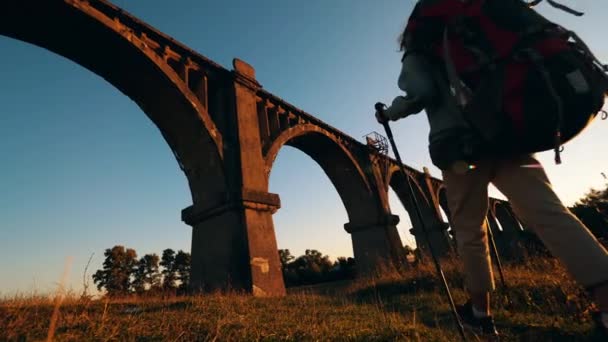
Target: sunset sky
x,y
84,169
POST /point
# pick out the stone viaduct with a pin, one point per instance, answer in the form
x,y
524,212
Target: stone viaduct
x,y
225,131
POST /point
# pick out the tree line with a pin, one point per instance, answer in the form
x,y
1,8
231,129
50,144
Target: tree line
x,y
124,274
592,210
313,267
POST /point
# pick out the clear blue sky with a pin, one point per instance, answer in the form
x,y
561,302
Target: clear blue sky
x,y
84,169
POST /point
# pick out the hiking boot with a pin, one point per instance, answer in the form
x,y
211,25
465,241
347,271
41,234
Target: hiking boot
x,y
484,326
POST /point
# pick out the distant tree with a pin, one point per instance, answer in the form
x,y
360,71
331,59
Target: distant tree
x,y
285,257
597,199
344,268
169,272
592,210
182,269
317,258
312,267
290,275
592,218
118,268
138,283
147,275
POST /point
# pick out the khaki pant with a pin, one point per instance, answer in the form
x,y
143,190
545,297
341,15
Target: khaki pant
x,y
534,202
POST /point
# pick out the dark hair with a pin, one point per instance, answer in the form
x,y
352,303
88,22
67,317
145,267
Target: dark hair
x,y
404,39
401,39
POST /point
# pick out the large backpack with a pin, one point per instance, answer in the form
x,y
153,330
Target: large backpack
x,y
524,84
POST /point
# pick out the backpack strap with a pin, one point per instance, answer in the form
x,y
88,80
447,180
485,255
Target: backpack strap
x,y
557,5
579,42
479,107
461,92
537,60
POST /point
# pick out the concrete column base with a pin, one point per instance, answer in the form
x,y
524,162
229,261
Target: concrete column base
x,y
438,236
377,247
234,246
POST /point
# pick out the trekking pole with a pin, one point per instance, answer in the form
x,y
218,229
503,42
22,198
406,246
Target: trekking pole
x,y
494,250
495,253
380,107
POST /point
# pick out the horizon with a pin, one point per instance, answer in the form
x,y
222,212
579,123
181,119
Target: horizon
x,y
75,184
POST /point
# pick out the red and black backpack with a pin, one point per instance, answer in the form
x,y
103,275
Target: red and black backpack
x,y
524,84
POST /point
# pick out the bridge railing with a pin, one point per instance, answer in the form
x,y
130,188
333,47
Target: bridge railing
x,y
156,38
201,75
277,115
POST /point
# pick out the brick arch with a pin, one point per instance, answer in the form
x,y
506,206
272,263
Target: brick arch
x,y
92,36
338,163
395,174
397,182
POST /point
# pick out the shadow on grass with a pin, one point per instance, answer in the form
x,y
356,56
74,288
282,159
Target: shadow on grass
x,y
134,308
525,332
552,311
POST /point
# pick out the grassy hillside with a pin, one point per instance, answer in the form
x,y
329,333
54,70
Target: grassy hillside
x,y
546,305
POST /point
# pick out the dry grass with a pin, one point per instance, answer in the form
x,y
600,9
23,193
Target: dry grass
x,y
546,305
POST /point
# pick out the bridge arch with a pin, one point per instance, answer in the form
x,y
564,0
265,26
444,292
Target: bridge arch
x,y
102,44
375,241
337,162
398,183
436,228
395,175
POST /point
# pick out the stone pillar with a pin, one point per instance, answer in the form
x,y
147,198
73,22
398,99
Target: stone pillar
x,y
433,223
436,233
218,250
431,191
377,246
267,278
233,243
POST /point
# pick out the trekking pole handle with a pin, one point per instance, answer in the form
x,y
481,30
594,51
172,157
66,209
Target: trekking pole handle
x,y
380,107
380,114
